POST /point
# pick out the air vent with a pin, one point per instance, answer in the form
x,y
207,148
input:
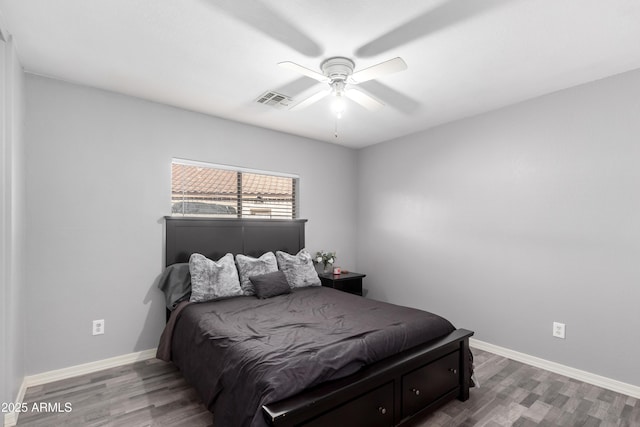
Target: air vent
x,y
275,99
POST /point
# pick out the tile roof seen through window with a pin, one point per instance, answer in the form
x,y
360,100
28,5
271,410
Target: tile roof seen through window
x,y
188,179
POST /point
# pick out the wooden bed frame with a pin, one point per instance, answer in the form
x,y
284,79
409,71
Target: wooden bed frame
x,y
387,393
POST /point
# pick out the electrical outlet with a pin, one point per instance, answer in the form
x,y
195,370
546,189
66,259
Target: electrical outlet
x,y
98,327
558,330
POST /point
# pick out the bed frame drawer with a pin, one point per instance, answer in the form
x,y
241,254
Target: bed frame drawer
x,y
356,400
373,409
429,383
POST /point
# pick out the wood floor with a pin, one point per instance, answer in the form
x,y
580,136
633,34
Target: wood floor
x,y
153,393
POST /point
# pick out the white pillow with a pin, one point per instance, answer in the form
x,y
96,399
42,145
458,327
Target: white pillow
x,y
298,269
213,279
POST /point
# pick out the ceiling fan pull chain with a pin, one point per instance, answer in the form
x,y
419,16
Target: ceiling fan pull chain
x,y
335,132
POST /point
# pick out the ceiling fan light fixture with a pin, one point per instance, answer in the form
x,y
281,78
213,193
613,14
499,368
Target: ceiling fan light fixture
x,y
338,105
339,72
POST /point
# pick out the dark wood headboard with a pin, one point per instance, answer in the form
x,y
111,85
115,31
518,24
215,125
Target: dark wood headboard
x,y
214,237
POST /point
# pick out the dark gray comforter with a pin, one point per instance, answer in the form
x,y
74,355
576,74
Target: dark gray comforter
x,y
244,352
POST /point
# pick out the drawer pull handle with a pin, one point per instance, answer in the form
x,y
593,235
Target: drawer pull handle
x,y
416,391
453,371
382,410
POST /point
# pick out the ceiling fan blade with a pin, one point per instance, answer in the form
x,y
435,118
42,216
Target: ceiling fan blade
x,y
363,99
311,100
447,14
392,97
267,20
391,66
304,71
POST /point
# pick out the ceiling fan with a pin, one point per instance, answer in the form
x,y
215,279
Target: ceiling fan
x,y
338,73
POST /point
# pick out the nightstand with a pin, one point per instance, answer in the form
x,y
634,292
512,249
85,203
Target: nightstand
x,y
346,282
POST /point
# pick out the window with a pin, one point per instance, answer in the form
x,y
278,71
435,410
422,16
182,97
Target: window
x,y
203,189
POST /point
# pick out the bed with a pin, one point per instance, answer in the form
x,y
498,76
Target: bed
x,y
313,357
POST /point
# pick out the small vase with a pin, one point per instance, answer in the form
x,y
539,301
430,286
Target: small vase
x,y
328,268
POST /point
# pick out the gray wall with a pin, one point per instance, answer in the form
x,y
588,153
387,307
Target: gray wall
x,y
511,220
12,227
98,186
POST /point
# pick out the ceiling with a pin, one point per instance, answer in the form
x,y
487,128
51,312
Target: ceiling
x,y
217,57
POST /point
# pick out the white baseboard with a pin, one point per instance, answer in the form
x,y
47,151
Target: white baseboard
x,y
567,371
11,418
87,368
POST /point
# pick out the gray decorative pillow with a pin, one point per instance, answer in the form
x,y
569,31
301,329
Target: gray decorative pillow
x,y
270,284
249,266
213,279
175,282
298,269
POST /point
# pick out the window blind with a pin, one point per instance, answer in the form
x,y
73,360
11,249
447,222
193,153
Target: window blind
x,y
202,189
